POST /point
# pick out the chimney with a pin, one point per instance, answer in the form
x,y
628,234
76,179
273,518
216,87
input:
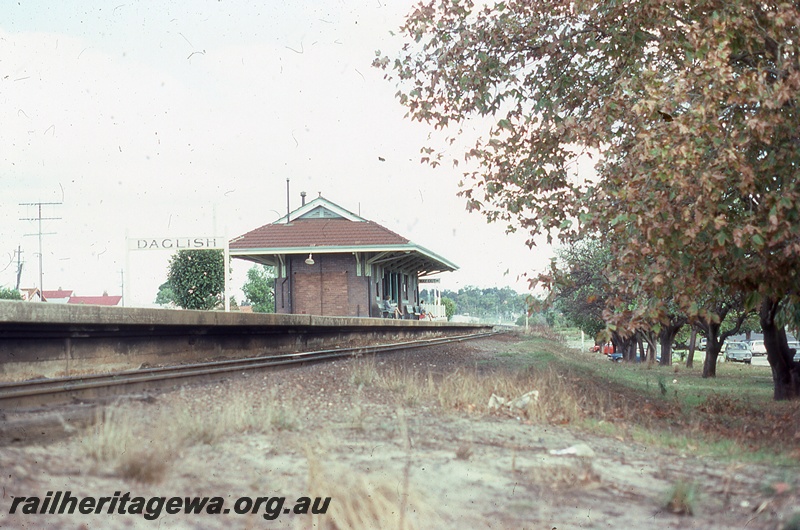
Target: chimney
x,y
303,198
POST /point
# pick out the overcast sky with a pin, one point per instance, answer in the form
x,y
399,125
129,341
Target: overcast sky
x,y
186,118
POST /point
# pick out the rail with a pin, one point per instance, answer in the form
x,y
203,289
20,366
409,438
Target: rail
x,y
64,389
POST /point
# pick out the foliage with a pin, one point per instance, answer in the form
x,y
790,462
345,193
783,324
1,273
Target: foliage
x,y
544,318
582,292
487,303
9,294
449,307
688,105
688,108
197,278
259,289
165,295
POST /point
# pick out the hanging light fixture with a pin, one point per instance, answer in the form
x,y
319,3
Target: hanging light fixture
x,y
309,260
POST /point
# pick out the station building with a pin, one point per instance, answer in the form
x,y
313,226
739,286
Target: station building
x,y
330,261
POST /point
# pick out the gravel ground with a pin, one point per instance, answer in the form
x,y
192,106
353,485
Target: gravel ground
x,y
330,432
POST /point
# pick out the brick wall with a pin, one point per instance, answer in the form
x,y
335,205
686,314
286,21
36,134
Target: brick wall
x,y
329,287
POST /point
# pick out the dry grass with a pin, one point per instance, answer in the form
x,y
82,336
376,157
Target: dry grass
x,y
365,501
141,447
546,332
118,439
363,372
238,414
561,399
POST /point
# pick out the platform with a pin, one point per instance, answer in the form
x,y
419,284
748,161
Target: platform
x,y
49,340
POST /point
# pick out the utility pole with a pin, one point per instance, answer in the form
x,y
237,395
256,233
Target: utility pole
x,y
122,284
39,218
19,265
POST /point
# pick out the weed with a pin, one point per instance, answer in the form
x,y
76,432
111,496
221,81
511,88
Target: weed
x,y
549,333
147,464
717,404
365,501
681,498
561,399
240,412
363,372
116,439
662,386
358,414
110,435
139,448
464,452
407,385
282,419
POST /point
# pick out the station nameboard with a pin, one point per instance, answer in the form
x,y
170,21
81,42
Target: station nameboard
x,y
429,280
179,243
176,243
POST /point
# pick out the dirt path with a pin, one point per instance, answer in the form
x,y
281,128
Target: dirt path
x,y
396,463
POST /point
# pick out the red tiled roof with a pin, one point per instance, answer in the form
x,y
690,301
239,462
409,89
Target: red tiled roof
x,y
318,233
59,293
95,300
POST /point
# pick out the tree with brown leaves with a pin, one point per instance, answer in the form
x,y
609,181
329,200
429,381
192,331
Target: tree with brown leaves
x,y
689,108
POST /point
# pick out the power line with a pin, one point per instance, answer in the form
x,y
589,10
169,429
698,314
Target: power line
x,y
39,218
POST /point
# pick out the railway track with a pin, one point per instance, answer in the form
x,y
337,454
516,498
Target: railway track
x,y
39,392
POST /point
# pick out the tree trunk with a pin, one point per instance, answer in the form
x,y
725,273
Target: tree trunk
x,y
713,346
632,345
785,372
623,345
666,338
692,345
651,346
616,340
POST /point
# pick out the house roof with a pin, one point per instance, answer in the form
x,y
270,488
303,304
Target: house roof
x,y
95,300
29,292
318,233
58,293
324,227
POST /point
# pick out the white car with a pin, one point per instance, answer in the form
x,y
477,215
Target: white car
x,y
738,352
758,348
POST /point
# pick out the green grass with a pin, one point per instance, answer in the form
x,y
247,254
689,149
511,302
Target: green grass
x,y
671,406
691,389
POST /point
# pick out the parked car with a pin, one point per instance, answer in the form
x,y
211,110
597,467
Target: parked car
x,y
757,348
795,345
738,352
617,358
